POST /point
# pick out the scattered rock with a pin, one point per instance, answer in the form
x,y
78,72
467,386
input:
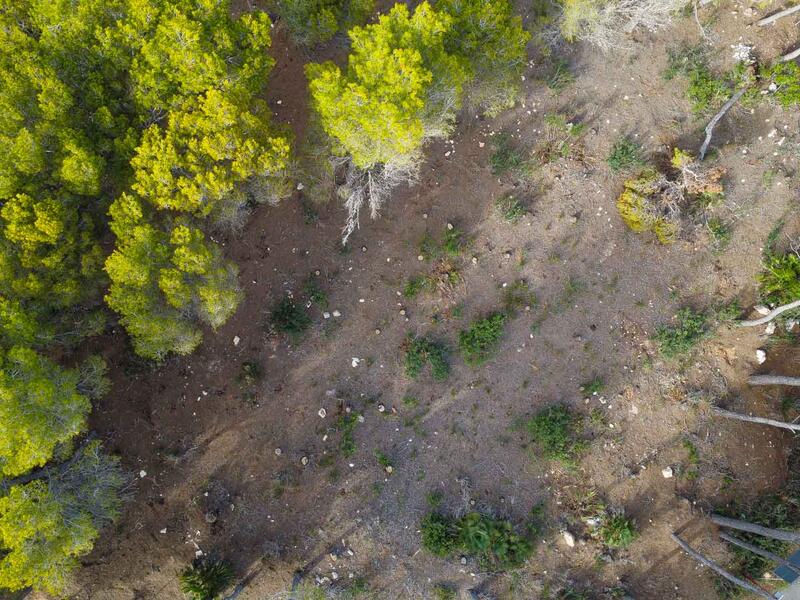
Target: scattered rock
x,y
355,362
761,356
278,451
762,310
381,408
569,539
389,469
326,315
667,472
304,461
236,340
322,413
337,314
142,474
163,530
770,328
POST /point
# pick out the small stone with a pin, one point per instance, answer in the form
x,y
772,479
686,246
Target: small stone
x,y
381,408
770,328
361,418
278,451
403,311
322,413
377,332
420,258
449,227
361,300
163,530
481,144
667,472
326,315
142,474
474,260
211,517
300,187
761,309
761,356
236,340
304,461
569,539
634,410
334,575
355,362
507,254
336,314
463,560
389,469
363,248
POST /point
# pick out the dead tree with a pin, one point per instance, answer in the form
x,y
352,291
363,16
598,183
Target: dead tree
x,y
771,315
760,420
775,534
791,55
760,552
762,593
778,15
774,380
713,123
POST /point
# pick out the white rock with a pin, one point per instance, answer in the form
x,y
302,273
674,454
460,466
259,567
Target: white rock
x,y
142,474
790,324
300,187
337,314
236,340
278,451
761,309
163,530
334,575
304,461
355,361
770,328
326,315
322,413
761,356
569,539
667,472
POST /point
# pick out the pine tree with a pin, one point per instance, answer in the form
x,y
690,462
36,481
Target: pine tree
x,y
316,21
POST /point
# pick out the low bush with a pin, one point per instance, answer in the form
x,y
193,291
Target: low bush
x,y
206,579
420,351
510,208
505,156
674,340
478,343
492,541
555,432
625,154
290,317
617,531
786,77
780,281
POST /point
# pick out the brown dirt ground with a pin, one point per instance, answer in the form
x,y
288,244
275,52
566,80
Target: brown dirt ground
x,y
202,448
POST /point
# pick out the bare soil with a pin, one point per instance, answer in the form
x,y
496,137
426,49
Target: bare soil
x,y
220,470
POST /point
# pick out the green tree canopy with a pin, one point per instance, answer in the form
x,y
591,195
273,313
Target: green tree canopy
x,y
316,21
46,525
40,408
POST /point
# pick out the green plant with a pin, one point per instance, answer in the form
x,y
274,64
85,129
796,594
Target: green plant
x,y
314,293
617,531
554,431
442,591
558,140
434,498
705,90
420,351
625,154
510,208
439,534
674,340
518,295
250,373
290,317
505,157
417,284
478,343
206,579
453,241
720,231
780,280
559,76
593,387
786,76
383,459
316,21
346,424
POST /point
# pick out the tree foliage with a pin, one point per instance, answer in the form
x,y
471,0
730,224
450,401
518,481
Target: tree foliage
x,y
48,523
313,22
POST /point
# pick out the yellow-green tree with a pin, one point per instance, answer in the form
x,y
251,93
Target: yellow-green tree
x,y
47,524
315,21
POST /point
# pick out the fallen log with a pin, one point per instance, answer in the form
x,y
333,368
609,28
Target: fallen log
x,y
760,552
774,380
778,15
713,123
776,534
762,593
760,420
771,315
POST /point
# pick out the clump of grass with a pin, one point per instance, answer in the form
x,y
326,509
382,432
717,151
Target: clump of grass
x,y
206,579
510,208
478,343
625,154
517,296
555,432
617,531
786,77
416,285
442,591
558,140
492,541
780,281
558,76
420,351
250,374
505,157
453,242
346,425
290,317
705,91
593,387
314,293
693,458
383,459
719,231
675,340
434,498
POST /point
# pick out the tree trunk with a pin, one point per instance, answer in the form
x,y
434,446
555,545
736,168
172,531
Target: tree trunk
x,y
760,552
778,15
790,56
713,123
774,313
774,380
722,572
775,534
761,420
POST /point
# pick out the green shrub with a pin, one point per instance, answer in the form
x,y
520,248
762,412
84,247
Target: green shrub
x,y
625,154
780,281
518,295
453,242
558,140
478,343
492,541
617,531
786,76
420,351
290,317
206,579
415,285
510,209
554,430
706,92
505,157
678,339
312,22
443,591
720,232
346,424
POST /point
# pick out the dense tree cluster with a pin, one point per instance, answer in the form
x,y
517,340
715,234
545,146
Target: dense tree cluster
x,y
406,77
313,22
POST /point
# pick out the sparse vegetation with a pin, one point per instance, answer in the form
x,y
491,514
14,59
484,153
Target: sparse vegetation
x,y
505,158
510,208
617,531
689,329
206,579
780,280
478,343
560,139
516,296
554,431
290,317
421,351
625,154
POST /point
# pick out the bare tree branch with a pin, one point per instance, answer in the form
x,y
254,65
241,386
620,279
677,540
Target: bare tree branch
x,y
768,317
791,56
761,420
775,534
778,15
774,380
720,571
713,123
